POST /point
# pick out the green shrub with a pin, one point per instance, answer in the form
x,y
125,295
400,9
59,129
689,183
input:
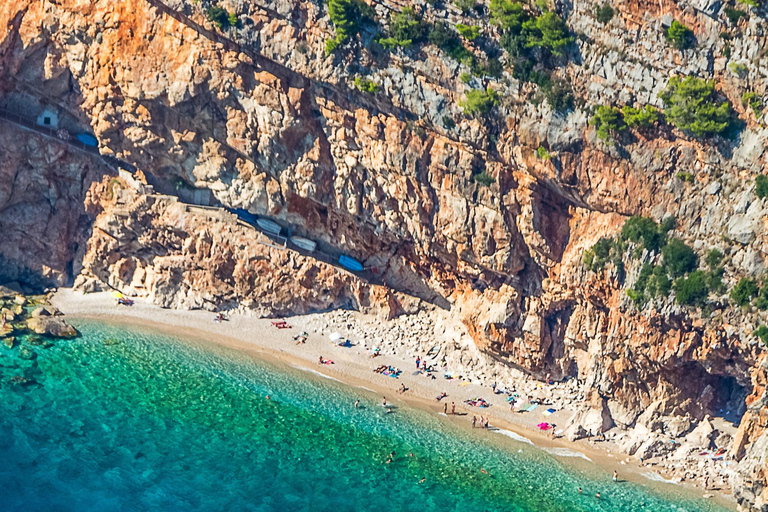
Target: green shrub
x,y
480,102
483,178
761,301
466,6
366,85
559,94
548,31
543,153
652,280
445,38
715,279
685,176
761,185
680,36
738,69
734,15
714,258
668,223
604,13
691,290
641,118
508,15
218,16
465,77
468,32
600,253
637,228
347,17
762,333
752,3
754,102
608,121
691,105
405,28
679,258
744,291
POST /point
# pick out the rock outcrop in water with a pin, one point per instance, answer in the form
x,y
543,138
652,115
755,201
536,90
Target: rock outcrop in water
x,y
486,218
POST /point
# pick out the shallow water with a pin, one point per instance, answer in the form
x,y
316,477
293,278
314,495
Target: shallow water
x,y
135,420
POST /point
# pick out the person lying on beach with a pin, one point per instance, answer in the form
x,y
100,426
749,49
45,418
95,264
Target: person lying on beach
x,y
441,396
218,318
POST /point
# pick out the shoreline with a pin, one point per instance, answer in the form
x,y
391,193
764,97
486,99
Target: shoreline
x,y
257,337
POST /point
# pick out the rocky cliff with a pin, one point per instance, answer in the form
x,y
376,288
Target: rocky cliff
x,y
484,217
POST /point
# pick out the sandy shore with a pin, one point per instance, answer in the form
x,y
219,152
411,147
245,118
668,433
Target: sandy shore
x,y
354,366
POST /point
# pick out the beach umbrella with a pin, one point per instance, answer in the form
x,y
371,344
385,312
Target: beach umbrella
x,y
117,295
335,336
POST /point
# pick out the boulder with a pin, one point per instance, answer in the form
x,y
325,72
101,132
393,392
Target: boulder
x,y
701,436
40,311
655,446
51,326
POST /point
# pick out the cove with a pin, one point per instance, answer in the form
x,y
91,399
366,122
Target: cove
x,y
131,419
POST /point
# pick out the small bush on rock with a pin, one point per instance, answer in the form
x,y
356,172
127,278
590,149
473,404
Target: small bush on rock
x,y
468,32
761,185
744,291
604,13
366,85
691,290
679,258
608,121
645,229
641,118
480,102
680,36
691,105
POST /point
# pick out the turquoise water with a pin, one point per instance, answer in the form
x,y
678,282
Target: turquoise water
x,y
135,420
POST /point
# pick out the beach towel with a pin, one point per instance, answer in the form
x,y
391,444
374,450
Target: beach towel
x,y
549,412
532,407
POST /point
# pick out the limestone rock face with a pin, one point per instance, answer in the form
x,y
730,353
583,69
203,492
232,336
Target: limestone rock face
x,y
259,118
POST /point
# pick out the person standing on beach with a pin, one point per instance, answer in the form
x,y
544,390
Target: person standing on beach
x,y
418,362
474,421
494,387
453,407
615,476
445,408
384,402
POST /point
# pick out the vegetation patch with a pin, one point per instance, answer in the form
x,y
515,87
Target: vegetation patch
x,y
753,101
483,178
468,32
406,28
692,105
761,185
479,102
744,291
609,122
347,16
643,118
604,13
366,85
220,17
679,36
